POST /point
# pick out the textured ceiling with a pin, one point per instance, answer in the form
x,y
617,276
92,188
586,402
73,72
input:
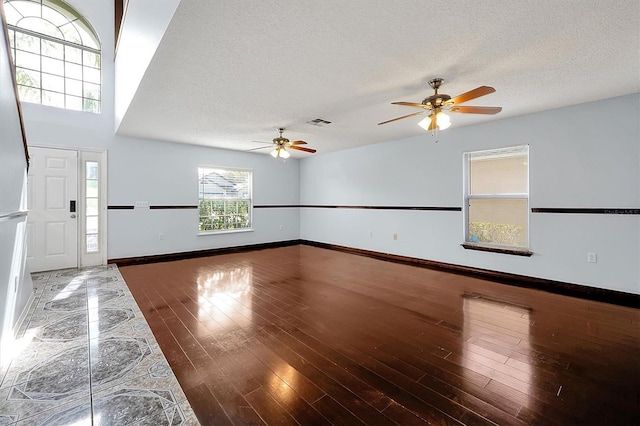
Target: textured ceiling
x,y
227,73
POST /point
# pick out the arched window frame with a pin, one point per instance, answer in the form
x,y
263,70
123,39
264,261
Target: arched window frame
x,y
56,53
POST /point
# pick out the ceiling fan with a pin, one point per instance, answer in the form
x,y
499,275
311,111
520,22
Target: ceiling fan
x,y
436,104
281,145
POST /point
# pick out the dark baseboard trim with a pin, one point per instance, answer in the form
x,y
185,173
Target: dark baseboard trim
x,y
557,287
120,207
140,260
585,210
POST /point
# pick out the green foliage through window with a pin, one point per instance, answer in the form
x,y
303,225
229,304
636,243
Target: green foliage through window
x,y
496,233
224,199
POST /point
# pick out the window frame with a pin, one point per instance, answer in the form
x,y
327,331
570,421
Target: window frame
x,y
57,84
467,197
250,200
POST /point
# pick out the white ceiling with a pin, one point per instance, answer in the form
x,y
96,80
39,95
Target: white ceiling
x,y
227,73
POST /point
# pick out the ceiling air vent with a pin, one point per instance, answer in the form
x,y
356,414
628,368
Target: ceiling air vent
x,y
319,122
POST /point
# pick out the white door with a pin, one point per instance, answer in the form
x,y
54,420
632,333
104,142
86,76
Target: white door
x,y
52,224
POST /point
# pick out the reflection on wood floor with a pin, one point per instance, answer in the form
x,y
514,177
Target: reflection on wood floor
x,y
312,336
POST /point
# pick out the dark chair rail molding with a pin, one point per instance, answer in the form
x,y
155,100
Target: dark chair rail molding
x,y
313,206
172,207
569,210
564,210
326,206
128,207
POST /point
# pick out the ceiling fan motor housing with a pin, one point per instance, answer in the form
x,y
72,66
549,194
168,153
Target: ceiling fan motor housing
x,y
436,101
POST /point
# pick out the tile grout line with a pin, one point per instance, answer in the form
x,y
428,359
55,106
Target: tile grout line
x,y
88,325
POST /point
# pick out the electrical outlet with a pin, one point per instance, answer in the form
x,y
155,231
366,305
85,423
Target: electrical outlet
x,y
161,236
281,227
141,204
395,237
592,257
370,234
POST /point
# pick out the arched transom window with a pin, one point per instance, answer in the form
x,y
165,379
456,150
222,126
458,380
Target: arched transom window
x,y
56,54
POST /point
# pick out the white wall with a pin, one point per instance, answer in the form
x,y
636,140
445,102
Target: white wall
x,y
15,283
581,156
140,35
161,173
165,173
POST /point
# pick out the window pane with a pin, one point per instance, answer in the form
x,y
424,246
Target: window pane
x,y
92,188
92,91
52,66
52,49
27,42
498,221
92,243
73,71
73,87
92,169
12,36
72,102
53,82
54,16
29,94
27,60
91,105
53,99
92,225
504,174
91,59
40,26
27,8
12,15
27,77
92,75
92,206
72,54
71,33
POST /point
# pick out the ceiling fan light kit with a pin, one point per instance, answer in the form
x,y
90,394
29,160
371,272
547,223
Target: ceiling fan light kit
x,y
437,103
280,152
281,144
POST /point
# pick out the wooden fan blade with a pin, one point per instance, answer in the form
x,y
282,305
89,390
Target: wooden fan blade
x,y
297,143
261,147
270,143
434,122
472,94
300,148
400,118
476,109
411,104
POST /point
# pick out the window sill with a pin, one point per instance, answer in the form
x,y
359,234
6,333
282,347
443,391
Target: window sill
x,y
226,231
496,249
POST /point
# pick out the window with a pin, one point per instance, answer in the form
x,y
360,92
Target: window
x,y
92,207
224,199
56,54
497,197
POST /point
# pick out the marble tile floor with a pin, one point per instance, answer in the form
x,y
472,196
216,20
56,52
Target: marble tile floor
x,y
85,355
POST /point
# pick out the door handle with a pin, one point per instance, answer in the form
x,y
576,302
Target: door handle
x,y
73,216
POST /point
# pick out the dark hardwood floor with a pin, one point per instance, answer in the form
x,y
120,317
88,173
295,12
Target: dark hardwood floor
x,y
313,336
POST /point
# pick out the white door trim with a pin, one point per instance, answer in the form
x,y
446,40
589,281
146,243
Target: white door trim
x,y
88,154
